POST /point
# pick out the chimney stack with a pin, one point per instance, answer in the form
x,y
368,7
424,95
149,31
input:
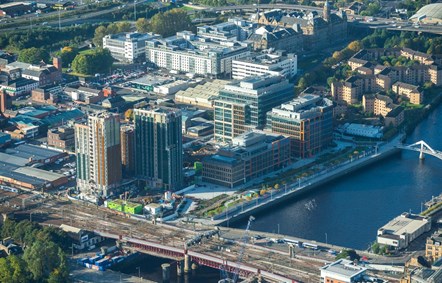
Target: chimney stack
x,y
56,61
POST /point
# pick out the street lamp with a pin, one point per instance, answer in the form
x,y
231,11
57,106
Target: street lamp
x,y
135,10
139,272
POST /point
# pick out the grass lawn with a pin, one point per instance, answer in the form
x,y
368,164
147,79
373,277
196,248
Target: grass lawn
x,y
186,8
413,106
87,51
80,75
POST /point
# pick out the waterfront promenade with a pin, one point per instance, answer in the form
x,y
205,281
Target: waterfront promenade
x,y
306,184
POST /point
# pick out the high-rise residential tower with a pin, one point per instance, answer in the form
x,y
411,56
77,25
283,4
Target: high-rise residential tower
x,y
158,147
128,150
98,151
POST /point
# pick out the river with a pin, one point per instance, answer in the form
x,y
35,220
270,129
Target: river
x,y
348,211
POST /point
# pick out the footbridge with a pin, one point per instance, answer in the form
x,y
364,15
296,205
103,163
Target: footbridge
x,y
423,148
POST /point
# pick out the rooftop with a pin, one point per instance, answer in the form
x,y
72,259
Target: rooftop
x,y
39,173
405,223
29,151
70,229
203,91
344,267
13,160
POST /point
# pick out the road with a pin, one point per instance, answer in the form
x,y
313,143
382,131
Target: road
x,y
72,20
358,21
377,23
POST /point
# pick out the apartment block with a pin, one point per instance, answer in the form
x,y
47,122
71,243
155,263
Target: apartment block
x,y
158,147
128,47
433,246
428,69
377,104
187,52
412,92
128,150
97,147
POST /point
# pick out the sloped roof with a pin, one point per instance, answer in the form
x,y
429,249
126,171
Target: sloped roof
x,y
429,11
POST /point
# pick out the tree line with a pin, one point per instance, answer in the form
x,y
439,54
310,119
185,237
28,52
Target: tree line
x,y
329,72
49,39
43,259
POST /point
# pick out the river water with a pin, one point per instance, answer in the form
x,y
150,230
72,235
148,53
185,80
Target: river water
x,y
348,211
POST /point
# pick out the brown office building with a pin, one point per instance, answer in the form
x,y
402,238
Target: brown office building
x,y
307,120
251,155
62,137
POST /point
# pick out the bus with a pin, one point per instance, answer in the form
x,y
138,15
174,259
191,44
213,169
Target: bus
x,y
293,242
310,246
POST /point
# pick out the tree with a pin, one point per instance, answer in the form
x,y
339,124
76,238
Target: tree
x,y
81,65
8,228
42,259
337,55
123,27
351,254
13,270
129,115
6,271
24,232
170,22
302,84
331,80
355,46
100,32
113,28
33,55
142,25
67,55
96,61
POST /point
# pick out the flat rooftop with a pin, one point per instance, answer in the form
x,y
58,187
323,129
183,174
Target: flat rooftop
x,y
152,80
405,223
39,173
204,91
344,267
13,160
28,151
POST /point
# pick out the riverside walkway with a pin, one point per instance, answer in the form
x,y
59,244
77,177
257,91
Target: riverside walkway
x,y
305,184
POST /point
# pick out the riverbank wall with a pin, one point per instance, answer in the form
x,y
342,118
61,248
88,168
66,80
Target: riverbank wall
x,y
311,186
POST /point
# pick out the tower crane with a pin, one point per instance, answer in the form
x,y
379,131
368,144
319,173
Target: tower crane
x,y
244,240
